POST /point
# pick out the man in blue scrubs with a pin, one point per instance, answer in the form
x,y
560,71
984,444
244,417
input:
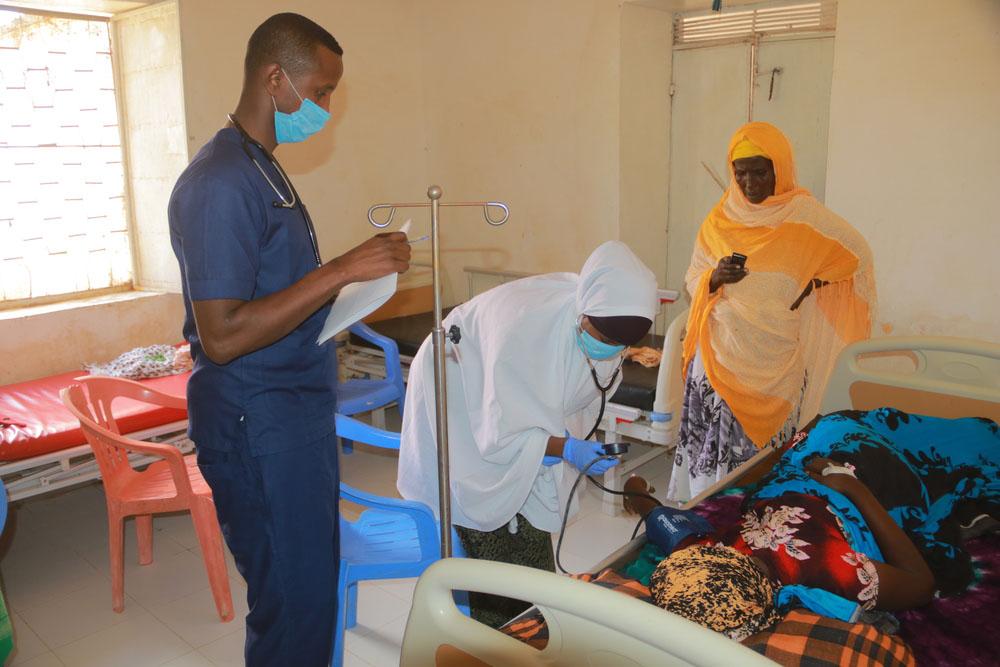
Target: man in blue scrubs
x,y
261,400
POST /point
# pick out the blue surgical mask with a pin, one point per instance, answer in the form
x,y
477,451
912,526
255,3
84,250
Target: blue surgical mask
x,y
291,128
595,349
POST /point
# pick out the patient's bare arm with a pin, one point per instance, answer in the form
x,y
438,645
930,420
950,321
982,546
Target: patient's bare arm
x,y
638,502
905,580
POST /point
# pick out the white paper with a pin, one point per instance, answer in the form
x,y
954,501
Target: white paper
x,y
359,300
355,302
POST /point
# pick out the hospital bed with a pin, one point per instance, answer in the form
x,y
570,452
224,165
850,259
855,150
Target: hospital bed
x,y
644,410
42,447
945,377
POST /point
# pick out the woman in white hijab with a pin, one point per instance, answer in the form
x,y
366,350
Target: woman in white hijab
x,y
525,375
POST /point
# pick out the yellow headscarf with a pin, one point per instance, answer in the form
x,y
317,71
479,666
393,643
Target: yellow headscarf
x,y
755,350
746,149
765,140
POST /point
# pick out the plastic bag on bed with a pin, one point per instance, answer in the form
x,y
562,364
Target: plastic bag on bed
x,y
146,362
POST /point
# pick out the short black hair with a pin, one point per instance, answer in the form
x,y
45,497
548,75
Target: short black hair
x,y
290,40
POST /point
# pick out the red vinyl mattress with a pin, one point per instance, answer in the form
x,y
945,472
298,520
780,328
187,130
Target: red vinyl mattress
x,y
34,421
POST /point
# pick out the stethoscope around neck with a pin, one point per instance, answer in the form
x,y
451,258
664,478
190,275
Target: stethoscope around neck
x,y
603,388
292,200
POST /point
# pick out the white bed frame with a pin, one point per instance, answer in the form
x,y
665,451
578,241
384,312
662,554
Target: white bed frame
x,y
651,434
68,467
589,625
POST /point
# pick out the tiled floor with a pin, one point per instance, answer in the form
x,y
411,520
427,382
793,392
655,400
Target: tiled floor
x,y
54,567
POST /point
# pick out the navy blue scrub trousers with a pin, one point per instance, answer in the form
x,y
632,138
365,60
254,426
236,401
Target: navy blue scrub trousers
x,y
280,518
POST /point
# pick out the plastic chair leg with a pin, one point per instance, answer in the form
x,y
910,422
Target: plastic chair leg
x,y
462,602
206,525
144,533
351,602
116,551
337,660
348,445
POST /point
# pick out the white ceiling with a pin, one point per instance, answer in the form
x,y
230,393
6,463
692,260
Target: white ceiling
x,y
689,5
77,6
115,6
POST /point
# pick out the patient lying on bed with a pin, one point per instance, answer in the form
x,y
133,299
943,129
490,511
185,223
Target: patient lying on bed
x,y
732,581
862,512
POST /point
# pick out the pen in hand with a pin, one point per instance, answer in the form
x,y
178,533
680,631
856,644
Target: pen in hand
x,y
405,228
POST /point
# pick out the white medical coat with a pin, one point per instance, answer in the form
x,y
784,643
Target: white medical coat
x,y
517,377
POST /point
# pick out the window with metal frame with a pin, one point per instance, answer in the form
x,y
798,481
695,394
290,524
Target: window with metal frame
x,y
63,221
742,23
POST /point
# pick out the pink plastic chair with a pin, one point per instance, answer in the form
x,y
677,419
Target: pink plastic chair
x,y
171,485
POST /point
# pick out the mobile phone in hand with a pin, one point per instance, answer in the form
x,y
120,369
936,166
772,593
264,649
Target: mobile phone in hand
x,y
739,259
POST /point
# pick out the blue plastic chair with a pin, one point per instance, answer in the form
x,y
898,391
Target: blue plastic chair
x,y
363,395
6,647
3,507
392,539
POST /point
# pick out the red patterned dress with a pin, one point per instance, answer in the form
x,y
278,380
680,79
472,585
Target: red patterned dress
x,y
801,541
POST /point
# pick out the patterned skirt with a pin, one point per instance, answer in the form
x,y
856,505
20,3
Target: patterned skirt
x,y
711,443
526,545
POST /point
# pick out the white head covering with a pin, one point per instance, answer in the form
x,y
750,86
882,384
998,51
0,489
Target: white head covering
x,y
614,282
517,378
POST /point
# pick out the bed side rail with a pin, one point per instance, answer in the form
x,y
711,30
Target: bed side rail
x,y
669,389
941,366
588,625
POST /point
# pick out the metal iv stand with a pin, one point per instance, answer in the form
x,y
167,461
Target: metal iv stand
x,y
438,339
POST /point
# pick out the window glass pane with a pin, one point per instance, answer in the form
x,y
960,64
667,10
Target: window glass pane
x,y
62,182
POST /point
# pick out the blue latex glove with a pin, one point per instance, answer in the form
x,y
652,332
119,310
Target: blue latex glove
x,y
549,461
581,452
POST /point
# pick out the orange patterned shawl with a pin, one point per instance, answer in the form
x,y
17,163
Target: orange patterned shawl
x,y
755,349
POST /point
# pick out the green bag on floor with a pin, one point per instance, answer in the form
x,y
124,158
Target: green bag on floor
x,y
6,633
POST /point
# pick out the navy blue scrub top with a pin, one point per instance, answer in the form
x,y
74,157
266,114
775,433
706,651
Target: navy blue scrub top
x,y
232,243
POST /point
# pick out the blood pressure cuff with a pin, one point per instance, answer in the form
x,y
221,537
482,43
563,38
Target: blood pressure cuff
x,y
667,527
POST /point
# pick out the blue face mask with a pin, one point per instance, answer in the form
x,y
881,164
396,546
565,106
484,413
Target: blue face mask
x,y
291,128
595,349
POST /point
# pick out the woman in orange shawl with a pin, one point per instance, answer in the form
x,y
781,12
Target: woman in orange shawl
x,y
762,336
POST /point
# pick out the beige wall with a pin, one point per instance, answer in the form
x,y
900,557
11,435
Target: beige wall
x,y
517,101
559,107
148,60
46,340
523,105
914,157
375,146
646,58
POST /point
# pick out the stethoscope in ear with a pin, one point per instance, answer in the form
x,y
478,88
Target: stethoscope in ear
x,y
282,202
